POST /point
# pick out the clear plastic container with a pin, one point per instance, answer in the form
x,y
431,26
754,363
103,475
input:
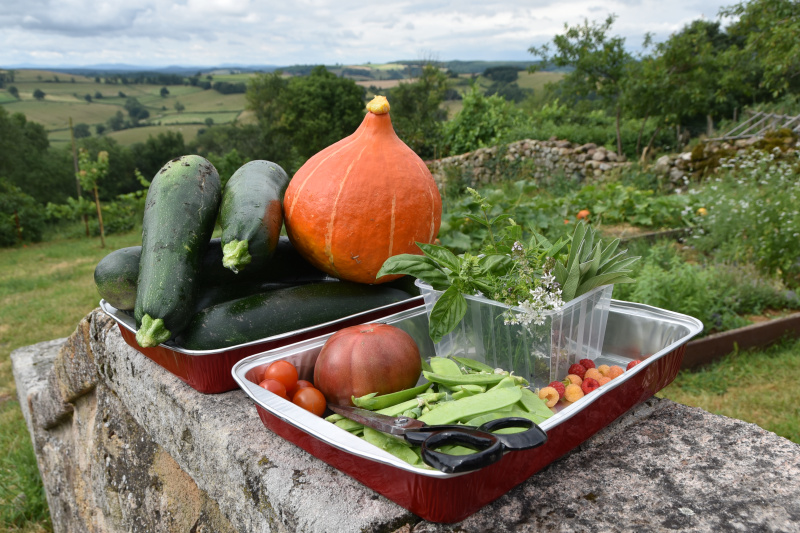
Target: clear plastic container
x,y
539,353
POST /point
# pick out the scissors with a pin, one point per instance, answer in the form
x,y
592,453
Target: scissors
x,y
489,447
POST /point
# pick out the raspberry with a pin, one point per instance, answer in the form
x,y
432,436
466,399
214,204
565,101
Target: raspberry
x,y
615,372
589,385
572,379
557,385
586,363
603,380
573,393
592,373
549,395
578,370
603,369
633,364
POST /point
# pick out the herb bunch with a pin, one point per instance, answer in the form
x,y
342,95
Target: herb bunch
x,y
532,276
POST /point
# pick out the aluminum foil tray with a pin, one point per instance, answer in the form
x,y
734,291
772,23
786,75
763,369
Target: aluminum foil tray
x,y
634,331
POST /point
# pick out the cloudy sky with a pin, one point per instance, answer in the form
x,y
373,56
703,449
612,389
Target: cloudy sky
x,y
250,32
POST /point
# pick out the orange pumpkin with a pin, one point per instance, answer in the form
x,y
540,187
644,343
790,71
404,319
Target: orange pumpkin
x,y
362,200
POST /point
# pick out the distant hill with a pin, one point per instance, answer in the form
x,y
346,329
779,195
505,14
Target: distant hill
x,y
361,72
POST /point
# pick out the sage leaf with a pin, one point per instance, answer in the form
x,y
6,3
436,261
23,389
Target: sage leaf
x,y
571,285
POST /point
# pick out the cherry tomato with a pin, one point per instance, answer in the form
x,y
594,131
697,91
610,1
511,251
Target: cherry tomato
x,y
282,371
311,400
274,387
301,384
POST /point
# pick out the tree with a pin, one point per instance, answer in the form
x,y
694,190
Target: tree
x,y
503,74
482,121
98,95
99,128
209,121
164,92
88,98
13,91
300,116
179,107
39,94
81,130
28,162
89,174
136,110
769,29
117,122
416,110
689,79
598,61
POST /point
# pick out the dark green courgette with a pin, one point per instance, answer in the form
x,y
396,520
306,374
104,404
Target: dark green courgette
x,y
251,214
117,273
116,276
280,311
180,212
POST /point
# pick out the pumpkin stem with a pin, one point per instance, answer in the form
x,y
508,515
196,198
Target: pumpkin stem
x,y
378,105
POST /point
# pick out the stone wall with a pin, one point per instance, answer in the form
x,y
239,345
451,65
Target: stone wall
x,y
541,158
124,446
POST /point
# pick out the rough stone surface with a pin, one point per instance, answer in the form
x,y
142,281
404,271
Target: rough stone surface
x,y
487,165
141,451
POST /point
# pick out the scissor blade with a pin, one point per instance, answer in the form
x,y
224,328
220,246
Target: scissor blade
x,y
388,424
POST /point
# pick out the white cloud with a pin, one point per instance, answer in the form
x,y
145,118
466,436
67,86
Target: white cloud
x,y
207,32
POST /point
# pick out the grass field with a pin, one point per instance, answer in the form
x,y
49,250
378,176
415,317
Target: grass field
x,y
65,99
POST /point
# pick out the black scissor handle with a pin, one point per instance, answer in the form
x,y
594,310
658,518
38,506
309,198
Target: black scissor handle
x,y
532,437
489,449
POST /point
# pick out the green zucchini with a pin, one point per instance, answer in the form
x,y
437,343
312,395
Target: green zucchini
x,y
180,212
117,273
116,276
251,214
280,311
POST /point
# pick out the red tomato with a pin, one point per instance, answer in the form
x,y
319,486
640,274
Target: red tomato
x,y
274,387
311,400
282,371
301,384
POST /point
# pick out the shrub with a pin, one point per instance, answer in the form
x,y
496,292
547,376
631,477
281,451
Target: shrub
x,y
720,295
16,205
753,214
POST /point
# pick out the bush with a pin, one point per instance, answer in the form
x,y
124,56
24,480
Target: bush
x,y
16,205
482,121
753,215
720,295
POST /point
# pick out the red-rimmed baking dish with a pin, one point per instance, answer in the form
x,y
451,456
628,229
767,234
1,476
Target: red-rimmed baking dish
x,y
209,371
634,331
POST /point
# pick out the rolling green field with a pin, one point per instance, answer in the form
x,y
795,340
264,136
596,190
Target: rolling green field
x,y
65,99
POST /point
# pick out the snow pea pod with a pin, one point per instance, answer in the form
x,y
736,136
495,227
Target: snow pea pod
x,y
472,364
445,367
470,379
399,408
373,402
471,406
